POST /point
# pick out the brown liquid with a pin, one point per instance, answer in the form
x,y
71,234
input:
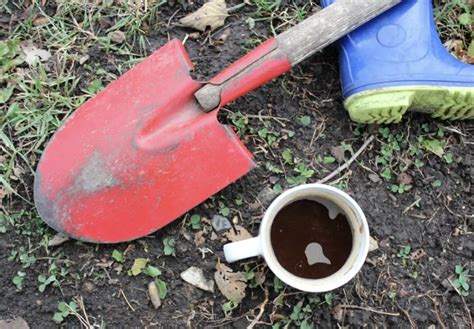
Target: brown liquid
x,y
307,242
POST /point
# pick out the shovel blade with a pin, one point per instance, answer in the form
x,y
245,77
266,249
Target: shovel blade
x,y
137,156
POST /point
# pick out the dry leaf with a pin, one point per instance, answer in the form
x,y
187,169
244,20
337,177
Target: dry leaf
x,y
118,268
57,240
260,278
373,244
232,285
195,276
154,294
130,248
199,239
420,253
212,14
33,54
238,233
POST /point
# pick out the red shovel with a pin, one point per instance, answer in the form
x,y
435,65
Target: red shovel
x,y
149,147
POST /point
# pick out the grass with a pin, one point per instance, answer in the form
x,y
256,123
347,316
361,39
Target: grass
x,y
36,99
454,19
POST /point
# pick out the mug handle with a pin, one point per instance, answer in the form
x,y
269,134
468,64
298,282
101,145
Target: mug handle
x,y
242,249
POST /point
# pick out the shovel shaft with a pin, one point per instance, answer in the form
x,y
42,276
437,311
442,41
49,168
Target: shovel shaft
x,y
277,55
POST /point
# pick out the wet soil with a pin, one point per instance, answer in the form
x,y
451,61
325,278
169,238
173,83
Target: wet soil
x,y
387,292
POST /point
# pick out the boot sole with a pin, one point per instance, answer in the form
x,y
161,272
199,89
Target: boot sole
x,y
387,105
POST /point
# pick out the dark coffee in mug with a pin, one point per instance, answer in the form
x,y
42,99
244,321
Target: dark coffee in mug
x,y
307,242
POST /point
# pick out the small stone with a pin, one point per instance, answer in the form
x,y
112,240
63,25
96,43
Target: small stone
x,y
404,178
88,286
40,20
17,323
266,196
385,243
220,223
117,36
374,178
223,37
373,244
445,283
235,220
273,179
195,276
338,153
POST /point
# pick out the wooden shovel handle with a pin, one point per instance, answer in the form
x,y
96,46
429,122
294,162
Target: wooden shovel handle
x,y
277,55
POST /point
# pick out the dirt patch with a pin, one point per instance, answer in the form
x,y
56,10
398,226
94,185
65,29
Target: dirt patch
x,y
398,286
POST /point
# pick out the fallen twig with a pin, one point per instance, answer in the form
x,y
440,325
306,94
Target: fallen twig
x,y
126,300
337,180
348,162
436,312
416,203
84,320
369,310
412,323
260,313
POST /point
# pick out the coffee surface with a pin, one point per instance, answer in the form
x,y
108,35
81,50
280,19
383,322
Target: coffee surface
x,y
307,242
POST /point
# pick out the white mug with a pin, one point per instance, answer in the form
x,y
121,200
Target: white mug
x,y
336,201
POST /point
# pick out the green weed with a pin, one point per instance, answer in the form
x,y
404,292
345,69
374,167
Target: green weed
x,y
169,249
397,154
46,281
228,307
303,174
118,256
455,18
253,277
266,7
406,261
151,271
400,188
26,258
329,159
18,279
301,313
287,156
223,209
305,120
461,283
64,310
195,222
138,266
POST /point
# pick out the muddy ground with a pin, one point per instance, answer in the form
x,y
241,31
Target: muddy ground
x,y
396,287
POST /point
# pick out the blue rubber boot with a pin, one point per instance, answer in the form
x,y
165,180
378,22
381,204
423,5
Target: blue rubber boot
x,y
396,63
